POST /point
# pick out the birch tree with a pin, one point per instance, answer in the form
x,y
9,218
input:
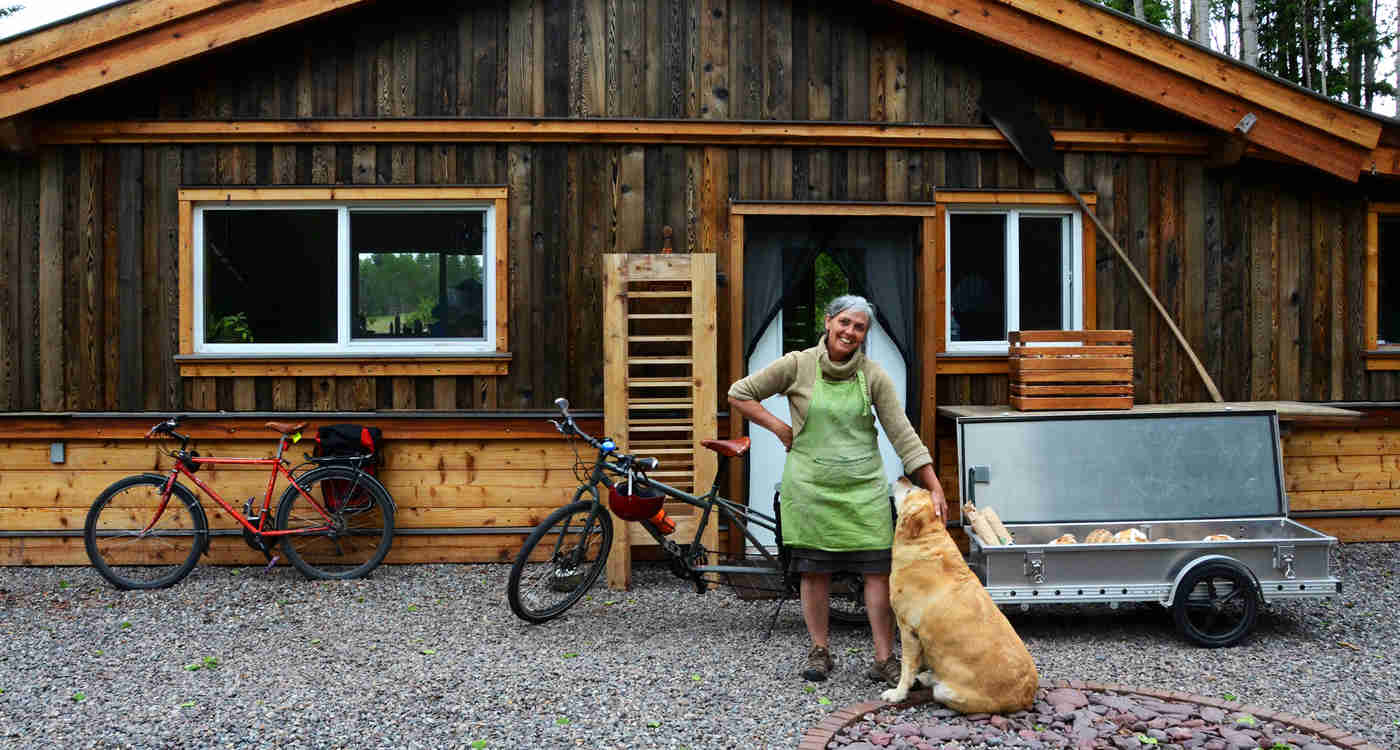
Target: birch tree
x,y
1249,32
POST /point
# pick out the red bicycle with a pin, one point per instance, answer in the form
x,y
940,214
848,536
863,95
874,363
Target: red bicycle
x,y
147,531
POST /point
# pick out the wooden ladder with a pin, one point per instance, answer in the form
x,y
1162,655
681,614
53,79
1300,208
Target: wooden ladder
x,y
659,373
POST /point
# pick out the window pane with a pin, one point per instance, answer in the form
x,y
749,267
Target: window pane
x,y
418,274
269,276
1042,273
1388,288
977,276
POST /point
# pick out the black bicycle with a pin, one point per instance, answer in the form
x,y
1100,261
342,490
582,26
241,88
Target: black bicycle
x,y
564,555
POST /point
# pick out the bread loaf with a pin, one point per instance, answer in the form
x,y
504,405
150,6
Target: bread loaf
x,y
998,528
1065,539
1098,536
979,525
1128,536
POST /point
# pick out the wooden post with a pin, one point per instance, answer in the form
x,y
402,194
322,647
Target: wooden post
x,y
704,372
615,399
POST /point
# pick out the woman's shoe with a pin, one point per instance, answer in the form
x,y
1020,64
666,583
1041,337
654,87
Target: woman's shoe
x,y
886,671
819,664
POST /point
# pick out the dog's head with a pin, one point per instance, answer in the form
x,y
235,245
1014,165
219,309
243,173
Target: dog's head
x,y
917,515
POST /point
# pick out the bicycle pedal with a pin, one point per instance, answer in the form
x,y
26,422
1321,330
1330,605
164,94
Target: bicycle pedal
x,y
271,563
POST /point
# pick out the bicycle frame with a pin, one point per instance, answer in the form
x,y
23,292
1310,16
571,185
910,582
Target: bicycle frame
x,y
738,515
278,465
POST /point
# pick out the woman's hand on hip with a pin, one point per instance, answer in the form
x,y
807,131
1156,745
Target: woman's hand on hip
x,y
784,433
756,413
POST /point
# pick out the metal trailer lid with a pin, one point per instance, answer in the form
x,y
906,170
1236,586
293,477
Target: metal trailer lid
x,y
1123,466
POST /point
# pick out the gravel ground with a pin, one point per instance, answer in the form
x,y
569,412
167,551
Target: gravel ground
x,y
430,656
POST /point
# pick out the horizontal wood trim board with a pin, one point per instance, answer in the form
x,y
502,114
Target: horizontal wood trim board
x,y
960,366
219,426
328,369
832,209
304,193
191,35
1383,362
534,130
1013,198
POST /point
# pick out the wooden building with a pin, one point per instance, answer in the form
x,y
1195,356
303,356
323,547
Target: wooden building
x,y
172,165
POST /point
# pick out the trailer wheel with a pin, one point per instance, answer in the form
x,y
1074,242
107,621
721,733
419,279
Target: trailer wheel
x,y
1216,604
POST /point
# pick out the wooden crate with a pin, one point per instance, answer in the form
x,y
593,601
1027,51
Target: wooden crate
x,y
1071,370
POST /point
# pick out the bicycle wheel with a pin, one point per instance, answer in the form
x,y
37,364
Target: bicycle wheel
x,y
573,544
346,531
134,549
847,600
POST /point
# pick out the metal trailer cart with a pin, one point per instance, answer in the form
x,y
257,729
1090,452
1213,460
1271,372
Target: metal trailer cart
x,y
1177,477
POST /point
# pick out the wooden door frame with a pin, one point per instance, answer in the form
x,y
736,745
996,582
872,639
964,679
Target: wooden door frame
x,y
929,244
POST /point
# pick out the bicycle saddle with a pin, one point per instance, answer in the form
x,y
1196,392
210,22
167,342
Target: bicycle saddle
x,y
286,428
730,448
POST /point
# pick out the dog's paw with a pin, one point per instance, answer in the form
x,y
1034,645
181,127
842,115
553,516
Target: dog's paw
x,y
894,695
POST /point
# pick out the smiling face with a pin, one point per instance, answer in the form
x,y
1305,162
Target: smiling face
x,y
844,333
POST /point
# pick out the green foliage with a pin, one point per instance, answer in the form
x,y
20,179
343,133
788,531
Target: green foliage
x,y
79,697
229,329
1157,11
830,282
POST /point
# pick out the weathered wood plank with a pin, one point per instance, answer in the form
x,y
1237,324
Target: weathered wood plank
x,y
627,58
52,333
777,60
1263,320
1289,296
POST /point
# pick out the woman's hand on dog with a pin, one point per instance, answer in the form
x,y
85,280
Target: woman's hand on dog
x,y
925,477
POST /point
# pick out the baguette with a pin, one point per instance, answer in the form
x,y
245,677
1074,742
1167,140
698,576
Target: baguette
x,y
997,527
979,525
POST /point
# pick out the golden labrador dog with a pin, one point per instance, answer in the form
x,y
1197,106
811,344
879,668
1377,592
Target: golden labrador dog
x,y
948,623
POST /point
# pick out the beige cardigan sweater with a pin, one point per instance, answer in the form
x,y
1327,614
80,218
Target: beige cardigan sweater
x,y
794,375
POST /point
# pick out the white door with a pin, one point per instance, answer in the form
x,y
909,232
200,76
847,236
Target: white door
x,y
767,455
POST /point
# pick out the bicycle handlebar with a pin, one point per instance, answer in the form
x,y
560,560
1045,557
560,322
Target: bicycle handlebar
x,y
568,426
167,427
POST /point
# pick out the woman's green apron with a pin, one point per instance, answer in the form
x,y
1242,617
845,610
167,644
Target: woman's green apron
x,y
834,491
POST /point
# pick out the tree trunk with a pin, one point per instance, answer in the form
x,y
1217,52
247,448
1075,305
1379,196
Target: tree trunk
x,y
1368,92
1326,50
1397,67
1200,22
1249,33
1308,60
1176,18
1354,62
1139,10
1227,40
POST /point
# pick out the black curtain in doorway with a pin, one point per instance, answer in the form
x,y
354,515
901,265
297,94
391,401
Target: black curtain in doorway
x,y
877,255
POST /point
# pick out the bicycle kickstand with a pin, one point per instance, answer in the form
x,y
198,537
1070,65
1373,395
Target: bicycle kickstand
x,y
271,561
774,619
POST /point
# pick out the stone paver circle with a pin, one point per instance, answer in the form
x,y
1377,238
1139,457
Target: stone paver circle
x,y
1226,724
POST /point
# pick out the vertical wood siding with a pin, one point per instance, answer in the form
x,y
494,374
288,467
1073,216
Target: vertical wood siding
x,y
1261,265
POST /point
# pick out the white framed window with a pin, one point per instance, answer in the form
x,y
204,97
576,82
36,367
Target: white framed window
x,y
1011,269
345,277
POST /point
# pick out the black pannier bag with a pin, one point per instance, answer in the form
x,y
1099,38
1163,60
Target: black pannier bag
x,y
355,446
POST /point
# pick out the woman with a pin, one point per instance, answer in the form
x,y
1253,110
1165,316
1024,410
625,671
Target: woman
x,y
836,513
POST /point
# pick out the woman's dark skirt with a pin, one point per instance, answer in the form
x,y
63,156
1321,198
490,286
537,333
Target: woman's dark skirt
x,y
805,560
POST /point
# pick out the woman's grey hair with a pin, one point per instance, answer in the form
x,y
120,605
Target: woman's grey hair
x,y
852,302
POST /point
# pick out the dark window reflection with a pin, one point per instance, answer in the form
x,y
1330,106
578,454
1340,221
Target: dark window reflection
x,y
269,276
977,276
1042,268
1388,293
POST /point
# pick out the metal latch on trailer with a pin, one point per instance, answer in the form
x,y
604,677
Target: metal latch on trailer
x,y
1034,566
1283,560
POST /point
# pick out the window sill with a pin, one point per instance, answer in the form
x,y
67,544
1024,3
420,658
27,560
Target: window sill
x,y
972,363
1386,358
340,365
